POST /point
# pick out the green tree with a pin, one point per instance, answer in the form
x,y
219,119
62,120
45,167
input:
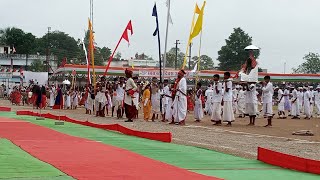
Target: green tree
x,y
171,58
37,66
118,55
310,66
24,43
232,55
206,62
60,44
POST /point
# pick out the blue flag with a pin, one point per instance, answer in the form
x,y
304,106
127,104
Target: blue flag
x,y
155,14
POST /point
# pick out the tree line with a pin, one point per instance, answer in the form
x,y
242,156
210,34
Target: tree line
x,y
60,44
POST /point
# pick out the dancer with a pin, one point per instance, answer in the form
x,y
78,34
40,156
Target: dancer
x,y
267,93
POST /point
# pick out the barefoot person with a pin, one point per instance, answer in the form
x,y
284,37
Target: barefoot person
x,y
267,93
198,111
216,100
228,115
131,87
179,104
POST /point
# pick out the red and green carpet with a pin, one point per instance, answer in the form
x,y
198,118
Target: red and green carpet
x,y
83,152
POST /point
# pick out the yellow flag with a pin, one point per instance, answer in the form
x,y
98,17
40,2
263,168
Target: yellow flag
x,y
198,26
197,10
91,51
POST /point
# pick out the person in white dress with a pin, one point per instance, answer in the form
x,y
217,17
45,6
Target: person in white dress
x,y
295,110
118,106
216,100
155,99
312,105
251,102
208,97
228,115
267,93
300,99
52,93
179,104
281,102
241,102
168,115
75,99
67,100
317,100
165,99
306,102
198,110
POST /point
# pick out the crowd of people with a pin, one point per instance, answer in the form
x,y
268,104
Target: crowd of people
x,y
221,101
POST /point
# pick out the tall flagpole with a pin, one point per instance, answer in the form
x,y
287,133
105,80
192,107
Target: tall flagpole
x,y
189,42
199,55
166,40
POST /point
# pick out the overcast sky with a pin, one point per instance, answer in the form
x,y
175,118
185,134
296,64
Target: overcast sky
x,y
285,30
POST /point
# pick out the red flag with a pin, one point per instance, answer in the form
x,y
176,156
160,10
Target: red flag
x,y
125,37
125,33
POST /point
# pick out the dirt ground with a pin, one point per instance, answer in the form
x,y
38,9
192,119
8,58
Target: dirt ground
x,y
240,139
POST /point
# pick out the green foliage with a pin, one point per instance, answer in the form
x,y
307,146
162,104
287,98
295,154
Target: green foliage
x,y
37,66
171,58
310,66
206,62
24,43
232,55
118,55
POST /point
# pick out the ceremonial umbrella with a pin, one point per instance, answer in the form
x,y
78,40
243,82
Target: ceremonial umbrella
x,y
67,82
251,47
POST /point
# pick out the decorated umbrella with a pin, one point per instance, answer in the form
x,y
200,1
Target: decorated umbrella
x,y
251,47
66,82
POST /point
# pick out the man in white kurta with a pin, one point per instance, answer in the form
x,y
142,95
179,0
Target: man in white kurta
x,y
317,100
251,102
241,102
267,93
228,115
281,101
295,110
306,103
300,98
216,100
165,96
312,93
130,88
208,104
180,100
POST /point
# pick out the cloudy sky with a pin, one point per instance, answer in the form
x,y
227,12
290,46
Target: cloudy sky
x,y
285,30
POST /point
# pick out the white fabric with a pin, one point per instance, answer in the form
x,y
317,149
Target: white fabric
x,y
267,109
52,97
168,115
136,100
217,92
267,93
130,85
280,96
295,109
306,103
198,111
227,96
155,102
300,98
241,102
228,115
251,109
317,101
209,100
67,101
180,102
75,100
120,93
216,111
89,102
251,95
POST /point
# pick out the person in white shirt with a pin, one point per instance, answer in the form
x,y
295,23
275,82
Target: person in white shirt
x,y
267,93
208,97
251,102
295,111
241,102
300,99
235,96
306,102
317,100
228,115
216,100
198,110
312,94
165,99
281,102
168,114
52,96
119,108
130,88
287,103
179,104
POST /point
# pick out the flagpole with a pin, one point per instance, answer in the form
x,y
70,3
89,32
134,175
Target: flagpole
x,y
111,57
199,55
166,40
189,41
